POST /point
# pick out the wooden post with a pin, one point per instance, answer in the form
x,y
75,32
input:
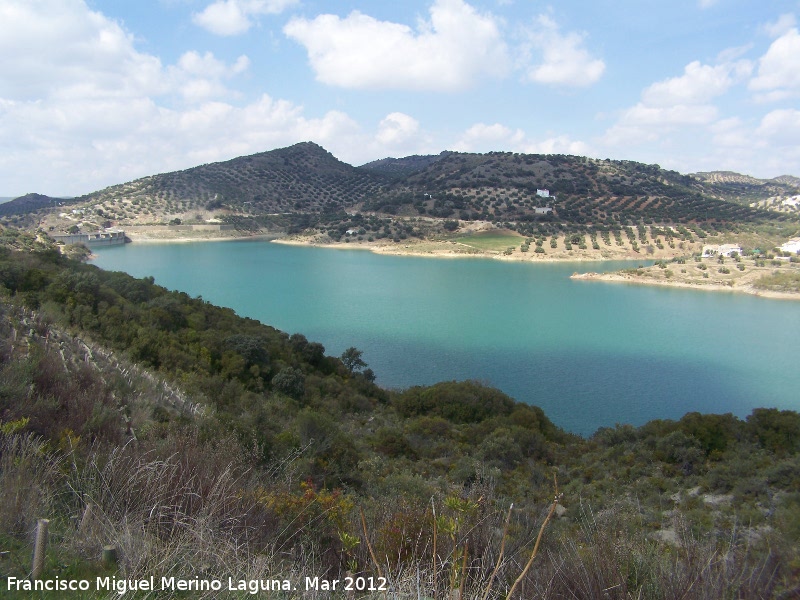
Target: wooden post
x,y
109,556
39,548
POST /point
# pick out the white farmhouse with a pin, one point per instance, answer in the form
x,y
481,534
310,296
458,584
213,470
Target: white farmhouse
x,y
543,193
792,246
721,250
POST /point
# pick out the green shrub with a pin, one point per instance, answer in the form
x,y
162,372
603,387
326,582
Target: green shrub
x,y
290,381
459,402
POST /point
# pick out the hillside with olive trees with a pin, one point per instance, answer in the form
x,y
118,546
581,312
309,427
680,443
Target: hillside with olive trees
x,y
304,190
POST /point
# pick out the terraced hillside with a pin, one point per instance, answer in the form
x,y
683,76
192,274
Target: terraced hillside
x,y
401,167
304,187
302,178
583,191
29,203
734,187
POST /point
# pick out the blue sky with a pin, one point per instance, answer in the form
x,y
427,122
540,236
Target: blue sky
x,y
98,92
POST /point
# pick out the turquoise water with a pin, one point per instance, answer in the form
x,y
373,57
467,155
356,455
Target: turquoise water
x,y
591,354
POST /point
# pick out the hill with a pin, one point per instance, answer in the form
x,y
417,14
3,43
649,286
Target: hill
x,y
401,167
301,178
29,203
744,189
303,188
306,179
789,180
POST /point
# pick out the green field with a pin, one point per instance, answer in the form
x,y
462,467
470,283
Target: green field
x,y
491,240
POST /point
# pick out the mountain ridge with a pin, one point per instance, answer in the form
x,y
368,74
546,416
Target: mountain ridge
x,y
307,183
28,203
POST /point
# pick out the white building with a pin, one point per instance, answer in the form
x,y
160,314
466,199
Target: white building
x,y
543,193
792,246
543,210
721,250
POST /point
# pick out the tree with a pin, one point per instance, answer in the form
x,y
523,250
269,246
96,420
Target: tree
x,y
252,348
291,382
352,359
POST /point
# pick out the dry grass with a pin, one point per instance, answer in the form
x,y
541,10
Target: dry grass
x,y
179,511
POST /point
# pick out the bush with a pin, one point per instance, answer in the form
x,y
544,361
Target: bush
x,y
459,402
776,430
290,381
450,225
392,443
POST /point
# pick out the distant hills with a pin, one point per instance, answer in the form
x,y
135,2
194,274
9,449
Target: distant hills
x,y
28,203
743,188
304,177
498,186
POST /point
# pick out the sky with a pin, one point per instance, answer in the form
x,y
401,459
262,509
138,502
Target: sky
x,y
99,92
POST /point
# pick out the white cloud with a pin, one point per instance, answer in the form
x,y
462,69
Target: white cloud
x,y
731,133
200,77
565,61
482,137
452,51
82,108
777,136
194,64
561,144
769,148
61,45
233,17
677,121
706,3
779,69
64,51
731,54
122,141
781,128
698,84
782,25
397,128
643,123
677,103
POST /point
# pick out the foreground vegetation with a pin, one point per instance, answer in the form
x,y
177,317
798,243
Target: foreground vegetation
x,y
202,444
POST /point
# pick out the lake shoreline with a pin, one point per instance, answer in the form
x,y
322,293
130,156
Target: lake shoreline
x,y
589,355
742,288
449,249
455,249
422,248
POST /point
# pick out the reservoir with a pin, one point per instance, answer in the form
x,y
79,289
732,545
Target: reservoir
x,y
590,353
